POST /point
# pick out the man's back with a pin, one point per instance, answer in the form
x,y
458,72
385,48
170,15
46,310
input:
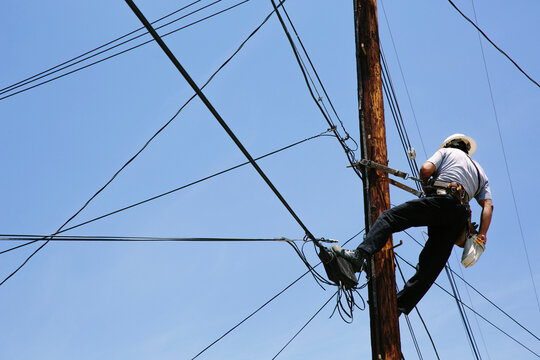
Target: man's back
x,y
453,165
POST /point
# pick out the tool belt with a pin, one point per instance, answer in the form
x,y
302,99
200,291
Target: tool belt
x,y
437,187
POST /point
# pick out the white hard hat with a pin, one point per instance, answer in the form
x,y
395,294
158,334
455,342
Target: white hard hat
x,y
471,144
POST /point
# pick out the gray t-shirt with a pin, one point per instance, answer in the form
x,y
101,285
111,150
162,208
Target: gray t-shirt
x,y
453,165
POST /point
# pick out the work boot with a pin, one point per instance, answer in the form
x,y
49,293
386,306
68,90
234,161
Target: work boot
x,y
355,257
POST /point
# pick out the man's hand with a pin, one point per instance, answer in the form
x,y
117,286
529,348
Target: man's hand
x,y
482,238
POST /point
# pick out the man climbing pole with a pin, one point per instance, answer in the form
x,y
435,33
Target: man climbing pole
x,y
450,178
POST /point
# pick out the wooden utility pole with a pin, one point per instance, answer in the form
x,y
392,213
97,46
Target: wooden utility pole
x,y
385,340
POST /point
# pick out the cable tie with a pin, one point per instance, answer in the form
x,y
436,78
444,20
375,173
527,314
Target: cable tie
x,y
333,128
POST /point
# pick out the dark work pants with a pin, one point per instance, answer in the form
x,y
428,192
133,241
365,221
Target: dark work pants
x,y
445,218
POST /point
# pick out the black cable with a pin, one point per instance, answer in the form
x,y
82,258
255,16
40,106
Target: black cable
x,y
253,313
72,62
496,306
403,78
166,124
496,118
413,336
90,238
477,313
393,104
348,151
177,189
266,303
214,112
305,325
417,311
15,85
347,136
492,43
121,52
482,295
463,314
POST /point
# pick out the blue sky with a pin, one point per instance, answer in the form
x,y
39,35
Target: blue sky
x,y
62,141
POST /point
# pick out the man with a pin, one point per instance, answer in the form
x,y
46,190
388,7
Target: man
x,y
444,210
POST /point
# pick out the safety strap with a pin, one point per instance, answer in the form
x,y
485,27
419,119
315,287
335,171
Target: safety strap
x,y
478,173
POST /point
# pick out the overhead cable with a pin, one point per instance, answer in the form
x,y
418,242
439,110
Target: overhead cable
x,y
159,131
492,43
499,132
477,313
27,80
472,304
403,78
323,134
418,312
389,92
306,324
90,238
465,320
481,294
216,115
349,152
113,55
266,303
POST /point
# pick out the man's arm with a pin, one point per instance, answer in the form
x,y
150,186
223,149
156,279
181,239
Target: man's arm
x,y
485,217
427,169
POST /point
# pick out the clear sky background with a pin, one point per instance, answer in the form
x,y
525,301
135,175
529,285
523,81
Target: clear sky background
x,y
62,141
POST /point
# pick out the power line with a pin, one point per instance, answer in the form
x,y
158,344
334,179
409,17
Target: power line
x,y
214,112
403,78
306,324
307,78
482,295
492,43
463,314
496,117
83,238
477,313
145,145
390,95
472,305
15,85
116,54
323,134
420,316
266,303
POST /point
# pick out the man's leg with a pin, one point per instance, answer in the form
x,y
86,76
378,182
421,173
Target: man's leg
x,y
428,211
432,258
430,263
